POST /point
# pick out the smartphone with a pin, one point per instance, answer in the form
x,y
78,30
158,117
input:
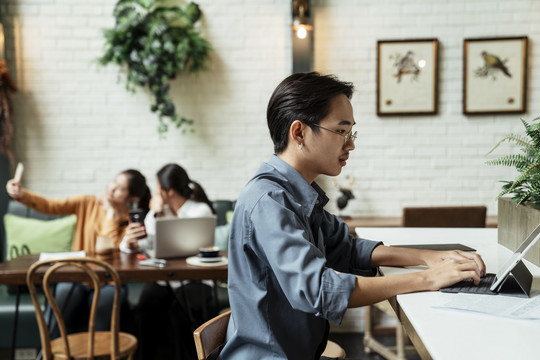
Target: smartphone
x,y
18,172
136,216
154,262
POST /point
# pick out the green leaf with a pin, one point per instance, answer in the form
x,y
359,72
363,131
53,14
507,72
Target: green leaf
x,y
526,186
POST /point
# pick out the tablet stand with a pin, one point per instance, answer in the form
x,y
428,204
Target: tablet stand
x,y
518,282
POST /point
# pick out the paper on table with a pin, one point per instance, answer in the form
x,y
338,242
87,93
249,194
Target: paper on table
x,y
504,306
61,255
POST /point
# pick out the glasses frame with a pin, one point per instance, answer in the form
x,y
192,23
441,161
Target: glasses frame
x,y
348,136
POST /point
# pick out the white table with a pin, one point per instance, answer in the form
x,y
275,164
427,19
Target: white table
x,y
447,334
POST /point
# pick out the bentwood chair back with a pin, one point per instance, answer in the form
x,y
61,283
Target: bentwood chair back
x,y
92,344
210,336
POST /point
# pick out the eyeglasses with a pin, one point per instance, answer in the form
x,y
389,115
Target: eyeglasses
x,y
349,136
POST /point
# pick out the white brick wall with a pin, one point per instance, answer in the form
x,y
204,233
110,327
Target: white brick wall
x,y
76,126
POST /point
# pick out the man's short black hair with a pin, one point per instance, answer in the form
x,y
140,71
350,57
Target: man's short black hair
x,y
305,97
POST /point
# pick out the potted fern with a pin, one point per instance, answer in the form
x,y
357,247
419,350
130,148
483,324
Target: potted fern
x,y
153,41
519,212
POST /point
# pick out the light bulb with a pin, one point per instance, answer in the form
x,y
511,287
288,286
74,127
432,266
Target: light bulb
x,y
301,32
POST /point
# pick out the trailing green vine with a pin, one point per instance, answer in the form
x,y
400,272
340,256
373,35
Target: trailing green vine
x,y
153,41
526,187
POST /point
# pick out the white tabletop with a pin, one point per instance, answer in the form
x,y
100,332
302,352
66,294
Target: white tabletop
x,y
450,334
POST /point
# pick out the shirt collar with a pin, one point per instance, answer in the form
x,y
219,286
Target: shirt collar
x,y
309,195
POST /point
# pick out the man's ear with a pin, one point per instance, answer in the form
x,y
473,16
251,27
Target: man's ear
x,y
296,132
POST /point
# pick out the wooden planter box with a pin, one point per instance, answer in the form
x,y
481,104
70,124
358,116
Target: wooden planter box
x,y
515,223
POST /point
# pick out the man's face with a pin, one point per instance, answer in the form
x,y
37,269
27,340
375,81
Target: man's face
x,y
327,151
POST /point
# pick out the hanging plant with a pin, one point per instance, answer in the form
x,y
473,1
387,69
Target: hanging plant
x,y
153,41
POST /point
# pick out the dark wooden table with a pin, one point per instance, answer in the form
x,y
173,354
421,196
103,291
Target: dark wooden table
x,y
127,266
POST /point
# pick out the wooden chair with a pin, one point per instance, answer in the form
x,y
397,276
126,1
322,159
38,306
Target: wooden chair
x,y
445,216
210,338
397,352
86,345
334,351
437,216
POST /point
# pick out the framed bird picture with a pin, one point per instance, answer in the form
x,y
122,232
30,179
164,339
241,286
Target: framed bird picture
x,y
495,75
407,77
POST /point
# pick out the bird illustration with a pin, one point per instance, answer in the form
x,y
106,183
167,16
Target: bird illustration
x,y
406,65
493,62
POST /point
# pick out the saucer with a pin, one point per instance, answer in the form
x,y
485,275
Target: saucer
x,y
196,261
209,259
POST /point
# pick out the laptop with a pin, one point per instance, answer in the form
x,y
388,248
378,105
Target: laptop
x,y
513,277
181,237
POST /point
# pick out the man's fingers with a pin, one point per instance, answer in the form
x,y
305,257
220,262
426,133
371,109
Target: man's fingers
x,y
477,259
469,270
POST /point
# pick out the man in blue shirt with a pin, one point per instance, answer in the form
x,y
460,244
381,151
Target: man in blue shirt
x,y
292,265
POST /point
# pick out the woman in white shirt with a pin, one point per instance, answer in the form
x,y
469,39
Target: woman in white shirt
x,y
178,196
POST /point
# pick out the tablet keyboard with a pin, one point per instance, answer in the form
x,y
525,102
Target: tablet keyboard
x,y
467,286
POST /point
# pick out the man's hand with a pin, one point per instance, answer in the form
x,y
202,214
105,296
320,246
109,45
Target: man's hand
x,y
450,271
435,257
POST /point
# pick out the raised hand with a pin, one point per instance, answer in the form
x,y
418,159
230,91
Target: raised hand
x,y
14,189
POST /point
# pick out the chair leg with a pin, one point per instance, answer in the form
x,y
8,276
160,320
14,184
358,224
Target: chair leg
x,y
400,342
367,330
371,344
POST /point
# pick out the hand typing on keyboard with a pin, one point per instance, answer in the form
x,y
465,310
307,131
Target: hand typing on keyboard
x,y
450,267
445,268
467,286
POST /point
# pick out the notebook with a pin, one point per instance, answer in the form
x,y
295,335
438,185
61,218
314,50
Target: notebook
x,y
181,237
513,277
437,247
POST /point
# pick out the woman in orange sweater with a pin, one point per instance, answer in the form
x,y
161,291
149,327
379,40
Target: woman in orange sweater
x,y
105,216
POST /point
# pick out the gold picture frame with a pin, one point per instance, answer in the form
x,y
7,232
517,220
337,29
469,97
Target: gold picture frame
x,y
407,77
495,75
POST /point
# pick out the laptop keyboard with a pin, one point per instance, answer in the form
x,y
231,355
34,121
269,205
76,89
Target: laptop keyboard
x,y
467,286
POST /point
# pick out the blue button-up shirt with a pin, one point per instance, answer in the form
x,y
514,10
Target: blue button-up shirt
x,y
283,250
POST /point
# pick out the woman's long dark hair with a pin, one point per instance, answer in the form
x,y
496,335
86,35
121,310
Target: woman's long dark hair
x,y
138,188
173,176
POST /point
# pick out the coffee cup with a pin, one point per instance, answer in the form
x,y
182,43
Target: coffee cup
x,y
209,251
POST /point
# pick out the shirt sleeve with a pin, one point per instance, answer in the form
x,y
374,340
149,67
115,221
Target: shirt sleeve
x,y
124,247
281,239
344,252
150,223
51,206
192,209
